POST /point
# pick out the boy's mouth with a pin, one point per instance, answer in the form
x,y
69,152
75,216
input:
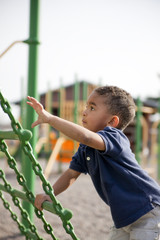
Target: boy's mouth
x,y
83,121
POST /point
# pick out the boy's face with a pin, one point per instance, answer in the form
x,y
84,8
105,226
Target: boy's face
x,y
95,116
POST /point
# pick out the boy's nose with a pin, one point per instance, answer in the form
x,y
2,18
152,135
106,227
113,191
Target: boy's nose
x,y
84,112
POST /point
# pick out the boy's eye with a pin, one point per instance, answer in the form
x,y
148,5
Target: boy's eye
x,y
92,108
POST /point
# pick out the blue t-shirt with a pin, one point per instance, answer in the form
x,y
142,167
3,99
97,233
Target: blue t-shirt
x,y
117,177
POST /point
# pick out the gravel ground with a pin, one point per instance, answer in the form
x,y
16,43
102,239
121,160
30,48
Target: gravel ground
x,y
91,217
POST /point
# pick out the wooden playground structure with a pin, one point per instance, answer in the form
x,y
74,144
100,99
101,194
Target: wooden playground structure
x,y
147,138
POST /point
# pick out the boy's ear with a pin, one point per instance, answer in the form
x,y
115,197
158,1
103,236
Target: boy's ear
x,y
114,121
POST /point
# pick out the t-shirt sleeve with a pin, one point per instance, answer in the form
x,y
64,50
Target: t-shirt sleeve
x,y
78,162
113,142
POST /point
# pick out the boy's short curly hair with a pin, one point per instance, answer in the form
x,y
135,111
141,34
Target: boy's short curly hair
x,y
118,102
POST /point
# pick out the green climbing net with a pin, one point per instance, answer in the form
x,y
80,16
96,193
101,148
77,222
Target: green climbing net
x,y
55,207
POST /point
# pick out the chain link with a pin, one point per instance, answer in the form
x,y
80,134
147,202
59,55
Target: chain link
x,y
21,180
23,212
24,136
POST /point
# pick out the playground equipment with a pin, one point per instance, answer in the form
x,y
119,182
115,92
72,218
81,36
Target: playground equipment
x,y
53,156
154,141
24,137
33,43
147,143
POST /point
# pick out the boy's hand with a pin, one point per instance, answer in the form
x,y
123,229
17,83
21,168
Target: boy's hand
x,y
43,116
40,198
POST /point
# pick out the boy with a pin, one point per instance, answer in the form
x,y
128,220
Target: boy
x,y
104,153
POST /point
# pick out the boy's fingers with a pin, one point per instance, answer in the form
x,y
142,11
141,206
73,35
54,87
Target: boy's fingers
x,y
32,99
30,103
40,199
38,205
38,202
37,106
35,124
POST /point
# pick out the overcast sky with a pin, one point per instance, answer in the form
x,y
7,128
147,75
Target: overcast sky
x,y
116,41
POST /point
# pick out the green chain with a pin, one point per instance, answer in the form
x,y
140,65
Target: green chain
x,y
24,136
23,212
14,216
21,180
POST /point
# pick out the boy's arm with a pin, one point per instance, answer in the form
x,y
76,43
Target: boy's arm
x,y
68,128
65,181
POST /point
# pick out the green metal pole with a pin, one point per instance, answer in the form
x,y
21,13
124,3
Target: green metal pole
x,y
159,141
85,91
23,103
23,112
138,130
32,91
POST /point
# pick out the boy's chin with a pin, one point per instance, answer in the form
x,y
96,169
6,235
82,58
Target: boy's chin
x,y
87,127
